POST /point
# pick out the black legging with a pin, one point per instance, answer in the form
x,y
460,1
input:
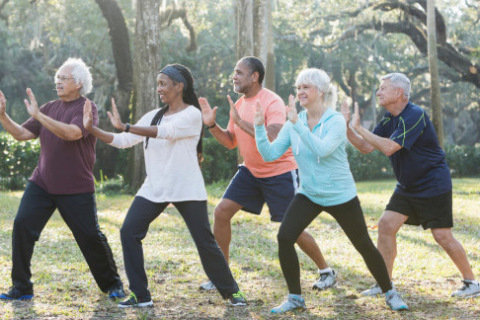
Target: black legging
x,y
349,216
142,212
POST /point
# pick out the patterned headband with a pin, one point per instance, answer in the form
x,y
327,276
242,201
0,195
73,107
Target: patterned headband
x,y
174,74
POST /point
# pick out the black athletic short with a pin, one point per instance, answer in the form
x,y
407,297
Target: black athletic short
x,y
434,212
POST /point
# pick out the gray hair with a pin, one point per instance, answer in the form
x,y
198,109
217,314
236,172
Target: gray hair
x,y
400,81
320,79
80,73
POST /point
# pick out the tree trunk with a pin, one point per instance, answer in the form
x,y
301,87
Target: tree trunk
x,y
263,36
106,155
434,79
146,65
245,40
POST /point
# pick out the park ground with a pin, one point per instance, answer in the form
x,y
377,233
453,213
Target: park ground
x,y
65,289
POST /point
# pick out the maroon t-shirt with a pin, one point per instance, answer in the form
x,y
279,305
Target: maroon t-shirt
x,y
64,167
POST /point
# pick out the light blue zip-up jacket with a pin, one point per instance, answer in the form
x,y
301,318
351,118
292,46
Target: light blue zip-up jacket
x,y
325,176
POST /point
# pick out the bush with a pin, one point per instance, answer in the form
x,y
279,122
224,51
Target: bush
x,y
371,166
219,163
18,161
464,161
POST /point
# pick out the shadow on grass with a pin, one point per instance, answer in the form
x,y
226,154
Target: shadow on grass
x,y
22,309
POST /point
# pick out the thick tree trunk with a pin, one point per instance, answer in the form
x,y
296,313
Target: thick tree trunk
x,y
106,155
245,39
263,36
146,65
434,79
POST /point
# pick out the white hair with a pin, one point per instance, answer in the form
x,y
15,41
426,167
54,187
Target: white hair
x,y
399,80
80,73
320,79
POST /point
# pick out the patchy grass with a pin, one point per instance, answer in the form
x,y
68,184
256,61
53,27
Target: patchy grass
x,y
65,289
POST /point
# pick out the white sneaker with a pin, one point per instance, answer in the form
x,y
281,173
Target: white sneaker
x,y
469,289
327,280
374,291
289,305
207,286
394,301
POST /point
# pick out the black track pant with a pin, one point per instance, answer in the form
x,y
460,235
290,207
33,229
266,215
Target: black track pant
x,y
80,214
349,216
141,213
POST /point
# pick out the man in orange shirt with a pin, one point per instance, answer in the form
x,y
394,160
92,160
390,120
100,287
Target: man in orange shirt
x,y
257,181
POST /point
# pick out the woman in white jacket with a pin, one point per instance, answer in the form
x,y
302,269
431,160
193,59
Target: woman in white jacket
x,y
172,148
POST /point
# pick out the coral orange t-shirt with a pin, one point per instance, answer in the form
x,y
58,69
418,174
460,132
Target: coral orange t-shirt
x,y
274,110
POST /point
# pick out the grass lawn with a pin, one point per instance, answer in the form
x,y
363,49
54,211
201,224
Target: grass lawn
x,y
65,289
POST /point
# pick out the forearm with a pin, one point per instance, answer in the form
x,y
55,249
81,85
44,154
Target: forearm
x,y
69,132
386,146
17,131
150,131
104,136
247,127
223,136
358,142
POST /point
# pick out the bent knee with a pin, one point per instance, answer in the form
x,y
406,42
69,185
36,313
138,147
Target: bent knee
x,y
223,213
443,236
285,239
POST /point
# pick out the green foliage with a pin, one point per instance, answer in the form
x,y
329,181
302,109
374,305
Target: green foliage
x,y
219,163
464,161
18,161
111,186
371,166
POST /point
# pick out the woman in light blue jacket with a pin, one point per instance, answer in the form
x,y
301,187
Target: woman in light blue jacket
x,y
318,139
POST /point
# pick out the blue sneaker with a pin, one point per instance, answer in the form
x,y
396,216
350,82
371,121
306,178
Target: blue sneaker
x,y
393,300
116,292
17,294
291,304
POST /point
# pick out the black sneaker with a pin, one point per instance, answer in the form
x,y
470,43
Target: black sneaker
x,y
116,292
133,302
17,294
238,299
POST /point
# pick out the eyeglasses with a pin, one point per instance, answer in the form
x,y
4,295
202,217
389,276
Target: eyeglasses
x,y
63,78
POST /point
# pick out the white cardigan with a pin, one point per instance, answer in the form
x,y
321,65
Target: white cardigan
x,y
171,163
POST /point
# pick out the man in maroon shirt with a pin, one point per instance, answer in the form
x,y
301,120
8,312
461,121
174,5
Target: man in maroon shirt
x,y
62,180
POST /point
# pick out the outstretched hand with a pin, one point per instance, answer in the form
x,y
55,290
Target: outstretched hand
x,y
3,104
292,109
355,123
259,117
208,114
345,110
233,111
114,117
87,115
32,106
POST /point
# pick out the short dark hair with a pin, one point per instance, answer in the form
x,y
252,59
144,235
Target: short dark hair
x,y
255,65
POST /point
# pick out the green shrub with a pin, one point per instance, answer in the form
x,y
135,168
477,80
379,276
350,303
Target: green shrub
x,y
371,166
464,161
219,163
19,158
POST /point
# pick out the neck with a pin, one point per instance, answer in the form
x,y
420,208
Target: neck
x,y
253,91
396,108
315,111
71,98
176,105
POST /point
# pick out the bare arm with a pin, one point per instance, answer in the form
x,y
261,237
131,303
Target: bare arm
x,y
69,132
225,137
105,136
16,130
366,141
150,131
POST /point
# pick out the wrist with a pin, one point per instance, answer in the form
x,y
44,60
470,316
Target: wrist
x,y
127,127
212,126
